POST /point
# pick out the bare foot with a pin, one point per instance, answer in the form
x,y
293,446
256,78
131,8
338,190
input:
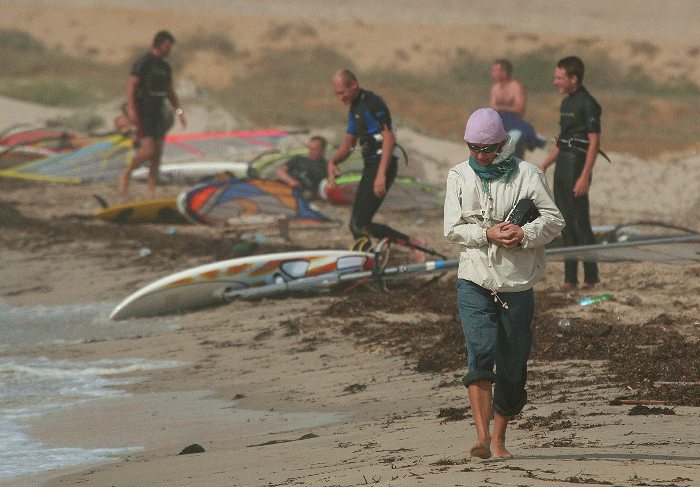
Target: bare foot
x,y
499,450
123,189
570,286
480,451
418,256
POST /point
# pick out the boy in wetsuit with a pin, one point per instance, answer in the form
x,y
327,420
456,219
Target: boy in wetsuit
x,y
149,84
575,154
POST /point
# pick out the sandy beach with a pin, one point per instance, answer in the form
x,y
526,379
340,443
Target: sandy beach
x,y
361,386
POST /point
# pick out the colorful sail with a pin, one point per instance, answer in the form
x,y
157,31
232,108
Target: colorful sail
x,y
218,203
51,140
104,160
405,194
238,145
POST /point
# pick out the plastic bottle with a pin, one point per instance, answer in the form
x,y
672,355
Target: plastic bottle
x,y
594,299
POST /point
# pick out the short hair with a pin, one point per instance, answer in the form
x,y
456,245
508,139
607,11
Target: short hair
x,y
162,37
505,64
573,67
320,139
346,76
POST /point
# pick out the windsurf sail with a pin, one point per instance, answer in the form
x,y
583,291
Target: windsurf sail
x,y
52,140
678,250
405,194
264,165
219,202
238,145
16,155
104,160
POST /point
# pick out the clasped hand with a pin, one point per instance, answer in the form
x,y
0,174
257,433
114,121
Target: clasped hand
x,y
505,234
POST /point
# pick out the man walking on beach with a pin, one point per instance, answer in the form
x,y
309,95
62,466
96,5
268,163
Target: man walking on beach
x,y
369,121
575,154
149,84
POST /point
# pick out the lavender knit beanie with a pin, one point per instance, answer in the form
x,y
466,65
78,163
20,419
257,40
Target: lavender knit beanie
x,y
485,127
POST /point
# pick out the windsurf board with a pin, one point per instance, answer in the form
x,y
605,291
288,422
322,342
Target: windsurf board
x,y
163,210
193,172
207,284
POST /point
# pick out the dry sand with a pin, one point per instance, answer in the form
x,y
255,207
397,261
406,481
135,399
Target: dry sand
x,y
291,357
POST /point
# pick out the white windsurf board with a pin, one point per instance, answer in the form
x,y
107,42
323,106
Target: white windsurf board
x,y
207,284
193,172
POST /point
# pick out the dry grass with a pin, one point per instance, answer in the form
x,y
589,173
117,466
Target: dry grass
x,y
292,87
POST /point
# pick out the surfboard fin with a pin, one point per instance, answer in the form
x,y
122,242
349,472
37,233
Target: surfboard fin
x,y
103,202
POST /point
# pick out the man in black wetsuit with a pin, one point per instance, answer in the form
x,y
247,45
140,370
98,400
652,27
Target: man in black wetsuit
x,y
149,84
575,154
369,121
306,172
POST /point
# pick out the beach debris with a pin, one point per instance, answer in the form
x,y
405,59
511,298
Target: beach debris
x,y
355,388
631,299
193,448
633,402
453,414
564,324
594,299
307,436
641,410
144,252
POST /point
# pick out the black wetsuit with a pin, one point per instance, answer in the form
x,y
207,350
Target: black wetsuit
x,y
579,115
366,119
155,78
308,172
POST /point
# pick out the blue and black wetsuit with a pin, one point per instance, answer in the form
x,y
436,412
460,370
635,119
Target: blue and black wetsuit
x,y
579,115
366,119
155,78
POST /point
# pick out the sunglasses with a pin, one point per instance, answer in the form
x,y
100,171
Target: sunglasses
x,y
487,149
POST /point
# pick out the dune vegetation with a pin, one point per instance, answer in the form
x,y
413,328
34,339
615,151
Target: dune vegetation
x,y
291,87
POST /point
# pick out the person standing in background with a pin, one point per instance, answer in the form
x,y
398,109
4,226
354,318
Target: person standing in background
x,y
509,99
507,94
575,154
150,83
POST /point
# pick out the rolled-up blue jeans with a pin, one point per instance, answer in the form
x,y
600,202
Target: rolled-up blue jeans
x,y
498,337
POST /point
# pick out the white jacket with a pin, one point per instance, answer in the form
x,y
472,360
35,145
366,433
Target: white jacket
x,y
469,211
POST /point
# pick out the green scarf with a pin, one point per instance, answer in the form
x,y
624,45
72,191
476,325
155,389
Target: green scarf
x,y
493,172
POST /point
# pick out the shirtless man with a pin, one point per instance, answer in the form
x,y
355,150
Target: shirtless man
x,y
507,94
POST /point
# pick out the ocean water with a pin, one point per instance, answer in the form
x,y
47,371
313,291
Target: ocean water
x,y
32,386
